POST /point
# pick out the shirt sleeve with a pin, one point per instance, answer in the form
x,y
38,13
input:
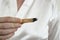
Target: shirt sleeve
x,y
54,22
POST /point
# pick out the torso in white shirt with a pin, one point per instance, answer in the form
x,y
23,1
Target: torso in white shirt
x,y
40,9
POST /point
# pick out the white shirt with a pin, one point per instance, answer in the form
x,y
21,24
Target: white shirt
x,y
46,12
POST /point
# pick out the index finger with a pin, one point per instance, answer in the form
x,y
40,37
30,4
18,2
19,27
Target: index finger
x,y
9,20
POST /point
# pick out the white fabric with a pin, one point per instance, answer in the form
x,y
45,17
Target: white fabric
x,y
46,11
8,8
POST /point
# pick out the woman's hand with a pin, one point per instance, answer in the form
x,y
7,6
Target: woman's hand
x,y
7,28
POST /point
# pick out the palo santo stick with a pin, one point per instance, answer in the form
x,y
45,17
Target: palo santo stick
x,y
16,20
28,20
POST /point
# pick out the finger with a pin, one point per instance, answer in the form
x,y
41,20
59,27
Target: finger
x,y
9,19
9,25
6,36
6,31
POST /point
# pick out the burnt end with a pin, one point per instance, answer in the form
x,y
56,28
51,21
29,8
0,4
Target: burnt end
x,y
34,19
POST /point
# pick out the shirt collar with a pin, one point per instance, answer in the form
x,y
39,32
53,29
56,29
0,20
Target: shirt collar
x,y
24,8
